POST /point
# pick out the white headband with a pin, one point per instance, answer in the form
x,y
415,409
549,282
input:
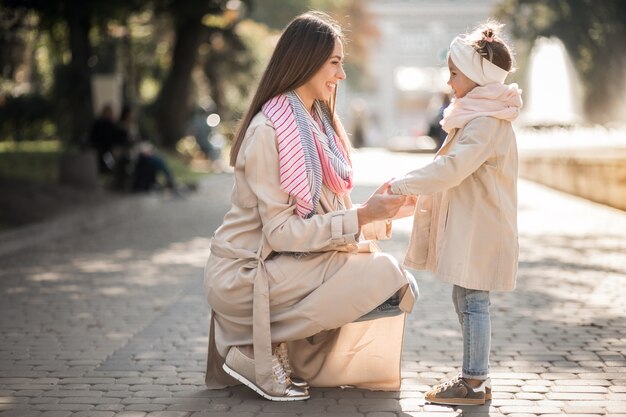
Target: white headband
x,y
470,63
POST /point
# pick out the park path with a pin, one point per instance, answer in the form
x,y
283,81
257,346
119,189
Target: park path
x,y
111,319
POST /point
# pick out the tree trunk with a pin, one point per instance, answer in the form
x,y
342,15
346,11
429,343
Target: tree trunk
x,y
172,104
215,83
79,23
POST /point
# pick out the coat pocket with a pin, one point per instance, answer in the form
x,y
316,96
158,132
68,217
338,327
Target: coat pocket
x,y
420,237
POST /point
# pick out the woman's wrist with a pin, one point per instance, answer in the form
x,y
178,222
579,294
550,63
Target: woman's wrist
x,y
362,216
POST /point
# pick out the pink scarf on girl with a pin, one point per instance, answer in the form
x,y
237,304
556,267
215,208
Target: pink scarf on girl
x,y
497,100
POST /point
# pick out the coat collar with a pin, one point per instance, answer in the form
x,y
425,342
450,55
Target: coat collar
x,y
446,143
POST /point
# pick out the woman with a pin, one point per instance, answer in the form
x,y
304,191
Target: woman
x,y
290,263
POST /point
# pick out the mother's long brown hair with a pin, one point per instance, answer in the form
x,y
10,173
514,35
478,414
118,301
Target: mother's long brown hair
x,y
304,46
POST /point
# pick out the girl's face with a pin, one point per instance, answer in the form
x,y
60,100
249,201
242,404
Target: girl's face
x,y
323,84
460,84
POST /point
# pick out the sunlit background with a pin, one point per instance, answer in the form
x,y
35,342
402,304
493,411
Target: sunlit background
x,y
188,74
396,60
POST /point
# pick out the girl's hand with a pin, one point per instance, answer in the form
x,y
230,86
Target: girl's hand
x,y
408,208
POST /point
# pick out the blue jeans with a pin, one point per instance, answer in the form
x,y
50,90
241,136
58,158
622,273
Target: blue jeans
x,y
472,307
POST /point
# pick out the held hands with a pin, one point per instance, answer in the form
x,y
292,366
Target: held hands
x,y
408,208
380,206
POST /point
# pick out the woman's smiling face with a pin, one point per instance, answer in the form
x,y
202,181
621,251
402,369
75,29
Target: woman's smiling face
x,y
323,84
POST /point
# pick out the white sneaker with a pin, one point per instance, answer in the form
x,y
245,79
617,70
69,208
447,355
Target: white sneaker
x,y
241,367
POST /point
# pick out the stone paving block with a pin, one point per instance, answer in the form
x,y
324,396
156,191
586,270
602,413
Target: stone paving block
x,y
89,400
529,409
558,376
433,408
571,415
134,381
193,388
145,407
44,400
94,413
150,387
412,404
131,414
151,394
13,400
616,408
73,393
63,407
325,414
495,382
162,374
109,407
87,381
56,414
604,375
227,414
338,409
575,396
580,389
167,381
343,394
168,414
118,394
592,408
19,413
581,382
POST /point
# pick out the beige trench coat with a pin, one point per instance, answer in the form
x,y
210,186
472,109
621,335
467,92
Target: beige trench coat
x,y
465,224
273,276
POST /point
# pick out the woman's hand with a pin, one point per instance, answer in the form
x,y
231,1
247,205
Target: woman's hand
x,y
380,206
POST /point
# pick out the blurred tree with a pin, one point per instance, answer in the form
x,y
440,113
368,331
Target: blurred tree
x,y
173,106
172,102
593,33
78,18
232,62
277,13
360,30
361,34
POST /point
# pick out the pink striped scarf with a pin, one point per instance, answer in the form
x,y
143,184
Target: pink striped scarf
x,y
308,153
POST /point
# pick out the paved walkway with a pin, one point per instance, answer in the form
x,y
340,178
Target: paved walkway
x,y
111,320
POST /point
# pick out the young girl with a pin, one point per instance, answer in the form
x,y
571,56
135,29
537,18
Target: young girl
x,y
289,263
465,224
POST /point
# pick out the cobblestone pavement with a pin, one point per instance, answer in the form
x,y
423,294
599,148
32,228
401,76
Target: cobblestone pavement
x,y
112,320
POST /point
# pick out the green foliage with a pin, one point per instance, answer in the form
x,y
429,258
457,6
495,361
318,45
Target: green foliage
x,y
278,13
593,33
181,171
36,161
25,117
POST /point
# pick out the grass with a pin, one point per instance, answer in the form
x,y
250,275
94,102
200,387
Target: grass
x,y
35,161
38,161
182,173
